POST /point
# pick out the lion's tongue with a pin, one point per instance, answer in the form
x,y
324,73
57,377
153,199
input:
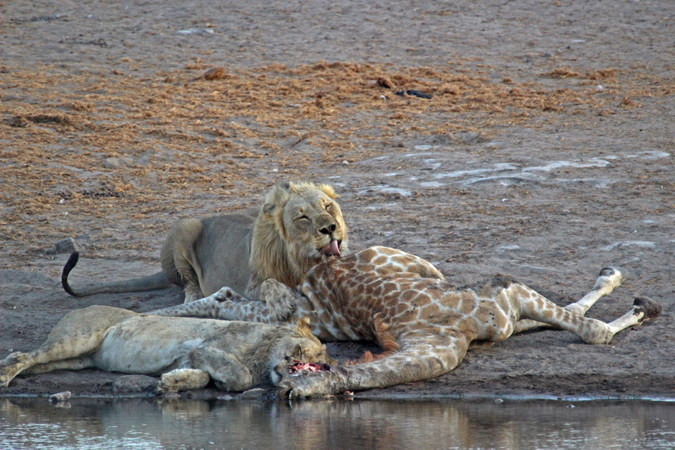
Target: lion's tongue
x,y
331,249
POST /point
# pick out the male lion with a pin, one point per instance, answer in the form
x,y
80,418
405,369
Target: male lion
x,y
188,352
298,223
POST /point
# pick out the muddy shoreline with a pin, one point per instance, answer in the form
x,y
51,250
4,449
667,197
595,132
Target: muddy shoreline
x,y
544,153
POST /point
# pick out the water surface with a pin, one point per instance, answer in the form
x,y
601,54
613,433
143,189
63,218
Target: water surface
x,y
389,425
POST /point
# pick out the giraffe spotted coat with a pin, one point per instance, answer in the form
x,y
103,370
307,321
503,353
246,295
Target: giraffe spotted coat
x,y
422,323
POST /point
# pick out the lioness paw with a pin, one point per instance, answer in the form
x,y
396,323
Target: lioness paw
x,y
182,380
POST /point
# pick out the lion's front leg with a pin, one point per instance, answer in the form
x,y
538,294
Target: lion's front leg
x,y
182,380
227,372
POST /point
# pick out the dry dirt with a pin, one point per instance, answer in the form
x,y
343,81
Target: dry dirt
x,y
544,152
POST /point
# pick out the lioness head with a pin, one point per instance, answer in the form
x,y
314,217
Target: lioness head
x,y
300,345
298,225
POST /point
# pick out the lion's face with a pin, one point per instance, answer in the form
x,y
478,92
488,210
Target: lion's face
x,y
299,224
313,222
300,345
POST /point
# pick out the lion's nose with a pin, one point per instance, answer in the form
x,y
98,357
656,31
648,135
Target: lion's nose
x,y
328,229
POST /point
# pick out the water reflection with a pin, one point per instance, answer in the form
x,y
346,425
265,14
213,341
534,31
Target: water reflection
x,y
369,424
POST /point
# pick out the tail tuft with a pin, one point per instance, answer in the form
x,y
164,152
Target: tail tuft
x,y
72,262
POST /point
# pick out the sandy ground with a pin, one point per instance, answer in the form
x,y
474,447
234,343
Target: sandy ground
x,y
544,152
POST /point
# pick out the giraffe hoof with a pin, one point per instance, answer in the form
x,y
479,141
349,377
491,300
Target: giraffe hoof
x,y
613,275
649,307
223,294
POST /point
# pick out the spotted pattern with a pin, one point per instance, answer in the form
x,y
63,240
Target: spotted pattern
x,y
423,323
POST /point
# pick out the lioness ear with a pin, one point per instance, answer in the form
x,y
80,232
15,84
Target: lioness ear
x,y
303,326
328,190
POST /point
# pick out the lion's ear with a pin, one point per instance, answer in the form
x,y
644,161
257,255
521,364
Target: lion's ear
x,y
328,190
276,196
268,208
303,326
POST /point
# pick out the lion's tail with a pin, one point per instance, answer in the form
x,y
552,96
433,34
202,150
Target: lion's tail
x,y
149,283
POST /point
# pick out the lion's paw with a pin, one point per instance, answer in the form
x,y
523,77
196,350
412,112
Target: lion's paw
x,y
182,380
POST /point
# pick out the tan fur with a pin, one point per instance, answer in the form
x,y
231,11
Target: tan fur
x,y
285,246
424,324
189,352
243,250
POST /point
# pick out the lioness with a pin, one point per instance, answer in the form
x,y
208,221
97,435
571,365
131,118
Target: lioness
x,y
298,223
189,352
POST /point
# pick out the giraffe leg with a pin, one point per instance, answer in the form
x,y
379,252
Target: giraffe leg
x,y
422,356
609,279
532,305
596,332
224,304
644,308
279,298
384,339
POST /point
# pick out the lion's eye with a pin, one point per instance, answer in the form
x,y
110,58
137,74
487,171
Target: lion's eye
x,y
303,218
329,207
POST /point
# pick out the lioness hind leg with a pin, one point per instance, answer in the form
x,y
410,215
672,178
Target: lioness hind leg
x,y
13,365
66,364
609,279
39,361
78,333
